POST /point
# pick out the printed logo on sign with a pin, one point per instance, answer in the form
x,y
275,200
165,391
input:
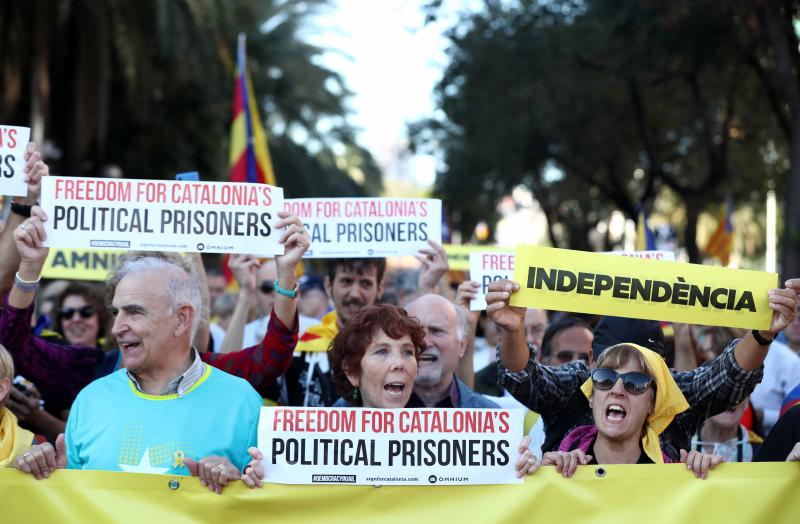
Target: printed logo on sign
x,y
432,479
370,251
336,479
109,243
201,247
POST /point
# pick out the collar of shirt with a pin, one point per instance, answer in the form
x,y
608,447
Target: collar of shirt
x,y
451,400
183,382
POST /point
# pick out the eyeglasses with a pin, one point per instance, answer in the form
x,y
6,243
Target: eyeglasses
x,y
634,383
267,287
66,313
567,355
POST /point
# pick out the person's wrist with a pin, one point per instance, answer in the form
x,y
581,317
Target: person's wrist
x,y
287,277
30,270
764,337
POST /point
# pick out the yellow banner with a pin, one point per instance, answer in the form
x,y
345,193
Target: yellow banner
x,y
583,282
79,264
458,254
669,494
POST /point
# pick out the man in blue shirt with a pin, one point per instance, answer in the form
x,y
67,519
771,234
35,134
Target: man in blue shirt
x,y
166,411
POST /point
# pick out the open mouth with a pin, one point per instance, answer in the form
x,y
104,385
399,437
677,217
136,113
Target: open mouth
x,y
127,346
615,413
427,357
394,388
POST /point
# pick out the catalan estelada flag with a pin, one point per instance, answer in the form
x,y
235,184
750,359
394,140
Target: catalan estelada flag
x,y
249,157
720,245
645,241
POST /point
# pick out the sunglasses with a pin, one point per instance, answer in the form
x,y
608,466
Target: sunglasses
x,y
67,313
266,287
634,383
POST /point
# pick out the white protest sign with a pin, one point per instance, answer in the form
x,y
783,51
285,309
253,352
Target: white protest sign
x,y
162,215
368,227
13,141
485,268
488,266
390,446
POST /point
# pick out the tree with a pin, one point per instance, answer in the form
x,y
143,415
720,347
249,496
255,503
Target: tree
x,y
147,86
624,97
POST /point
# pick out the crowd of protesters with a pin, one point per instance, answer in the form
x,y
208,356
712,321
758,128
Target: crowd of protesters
x,y
166,371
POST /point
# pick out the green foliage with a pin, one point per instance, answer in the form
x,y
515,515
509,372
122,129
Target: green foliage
x,y
148,86
601,89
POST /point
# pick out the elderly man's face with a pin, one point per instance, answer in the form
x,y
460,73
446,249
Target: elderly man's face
x,y
443,349
144,327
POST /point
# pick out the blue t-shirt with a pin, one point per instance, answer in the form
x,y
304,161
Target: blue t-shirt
x,y
113,426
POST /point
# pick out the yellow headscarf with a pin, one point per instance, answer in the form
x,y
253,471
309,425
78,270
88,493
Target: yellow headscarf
x,y
669,402
14,440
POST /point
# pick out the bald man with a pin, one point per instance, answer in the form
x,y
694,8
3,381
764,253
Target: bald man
x,y
436,384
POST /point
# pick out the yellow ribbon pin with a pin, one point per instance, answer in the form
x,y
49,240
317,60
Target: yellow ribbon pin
x,y
179,456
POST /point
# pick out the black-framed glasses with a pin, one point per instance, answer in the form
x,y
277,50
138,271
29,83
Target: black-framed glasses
x,y
266,287
66,313
634,382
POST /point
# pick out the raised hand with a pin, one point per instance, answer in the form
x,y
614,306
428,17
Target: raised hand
x,y
508,317
29,237
295,243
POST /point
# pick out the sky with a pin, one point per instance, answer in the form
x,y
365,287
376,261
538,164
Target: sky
x,y
391,62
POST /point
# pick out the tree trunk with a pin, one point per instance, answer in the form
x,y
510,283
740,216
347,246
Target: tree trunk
x,y
790,258
784,43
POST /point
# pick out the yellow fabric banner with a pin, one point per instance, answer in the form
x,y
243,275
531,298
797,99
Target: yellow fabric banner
x,y
79,264
578,281
458,254
669,494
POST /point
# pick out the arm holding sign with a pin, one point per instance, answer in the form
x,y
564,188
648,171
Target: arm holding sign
x,y
35,169
750,353
244,269
63,369
29,238
264,363
543,389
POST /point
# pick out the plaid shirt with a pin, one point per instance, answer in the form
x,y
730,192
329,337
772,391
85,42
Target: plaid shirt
x,y
63,370
554,393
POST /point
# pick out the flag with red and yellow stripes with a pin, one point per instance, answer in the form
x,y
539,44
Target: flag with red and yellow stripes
x,y
720,245
249,156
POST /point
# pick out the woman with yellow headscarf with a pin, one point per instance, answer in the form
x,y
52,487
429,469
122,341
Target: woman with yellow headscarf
x,y
14,440
633,399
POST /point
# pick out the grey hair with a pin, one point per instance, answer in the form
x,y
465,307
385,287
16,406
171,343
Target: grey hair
x,y
180,286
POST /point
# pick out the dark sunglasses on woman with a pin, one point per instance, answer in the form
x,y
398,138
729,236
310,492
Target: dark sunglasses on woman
x,y
634,382
66,313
